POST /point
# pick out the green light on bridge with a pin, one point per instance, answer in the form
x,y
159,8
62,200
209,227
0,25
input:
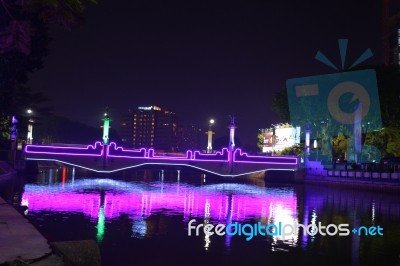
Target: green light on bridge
x,y
106,128
100,225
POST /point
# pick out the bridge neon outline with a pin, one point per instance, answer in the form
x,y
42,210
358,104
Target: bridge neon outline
x,y
94,147
191,156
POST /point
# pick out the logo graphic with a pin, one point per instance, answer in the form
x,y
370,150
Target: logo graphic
x,y
283,230
345,101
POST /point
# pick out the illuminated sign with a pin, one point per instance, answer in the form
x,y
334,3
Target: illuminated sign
x,y
286,137
148,108
145,108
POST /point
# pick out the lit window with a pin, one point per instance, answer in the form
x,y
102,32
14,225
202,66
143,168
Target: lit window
x,y
398,36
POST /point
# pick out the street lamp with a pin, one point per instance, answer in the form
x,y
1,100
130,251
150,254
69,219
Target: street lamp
x,y
274,137
307,140
210,133
29,137
106,128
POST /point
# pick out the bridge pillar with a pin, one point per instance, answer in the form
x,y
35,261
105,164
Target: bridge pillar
x,y
106,128
209,137
161,174
73,175
105,159
203,178
231,146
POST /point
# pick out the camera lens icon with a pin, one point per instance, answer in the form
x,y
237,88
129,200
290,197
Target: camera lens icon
x,y
359,94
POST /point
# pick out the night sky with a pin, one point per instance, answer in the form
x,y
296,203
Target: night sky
x,y
200,59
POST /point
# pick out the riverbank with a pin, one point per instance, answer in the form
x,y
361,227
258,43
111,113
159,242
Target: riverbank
x,y
381,185
22,244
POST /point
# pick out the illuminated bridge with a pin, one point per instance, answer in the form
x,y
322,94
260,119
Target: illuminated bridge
x,y
111,158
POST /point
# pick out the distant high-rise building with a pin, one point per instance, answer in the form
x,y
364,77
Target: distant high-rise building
x,y
150,127
391,32
189,137
126,129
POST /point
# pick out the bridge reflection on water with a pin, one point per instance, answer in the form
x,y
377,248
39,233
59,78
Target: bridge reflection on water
x,y
147,207
107,199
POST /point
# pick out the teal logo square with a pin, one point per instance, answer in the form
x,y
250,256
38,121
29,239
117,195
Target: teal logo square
x,y
341,99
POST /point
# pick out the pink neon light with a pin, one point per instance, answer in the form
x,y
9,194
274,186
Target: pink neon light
x,y
189,202
87,203
75,151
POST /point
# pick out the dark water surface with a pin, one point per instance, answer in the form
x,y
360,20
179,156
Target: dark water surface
x,y
142,218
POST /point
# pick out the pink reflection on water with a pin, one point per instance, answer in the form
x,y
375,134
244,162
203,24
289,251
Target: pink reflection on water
x,y
87,204
173,199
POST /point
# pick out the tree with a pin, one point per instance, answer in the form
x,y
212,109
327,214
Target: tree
x,y
339,146
295,150
260,140
389,95
387,139
305,115
280,105
23,45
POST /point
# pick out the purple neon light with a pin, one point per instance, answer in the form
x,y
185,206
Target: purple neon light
x,y
114,151
188,156
119,152
240,156
222,156
62,150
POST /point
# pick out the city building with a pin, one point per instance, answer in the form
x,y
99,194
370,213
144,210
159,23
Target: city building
x,y
150,127
391,32
189,137
126,129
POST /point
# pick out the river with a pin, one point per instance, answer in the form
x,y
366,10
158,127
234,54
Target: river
x,y
145,217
